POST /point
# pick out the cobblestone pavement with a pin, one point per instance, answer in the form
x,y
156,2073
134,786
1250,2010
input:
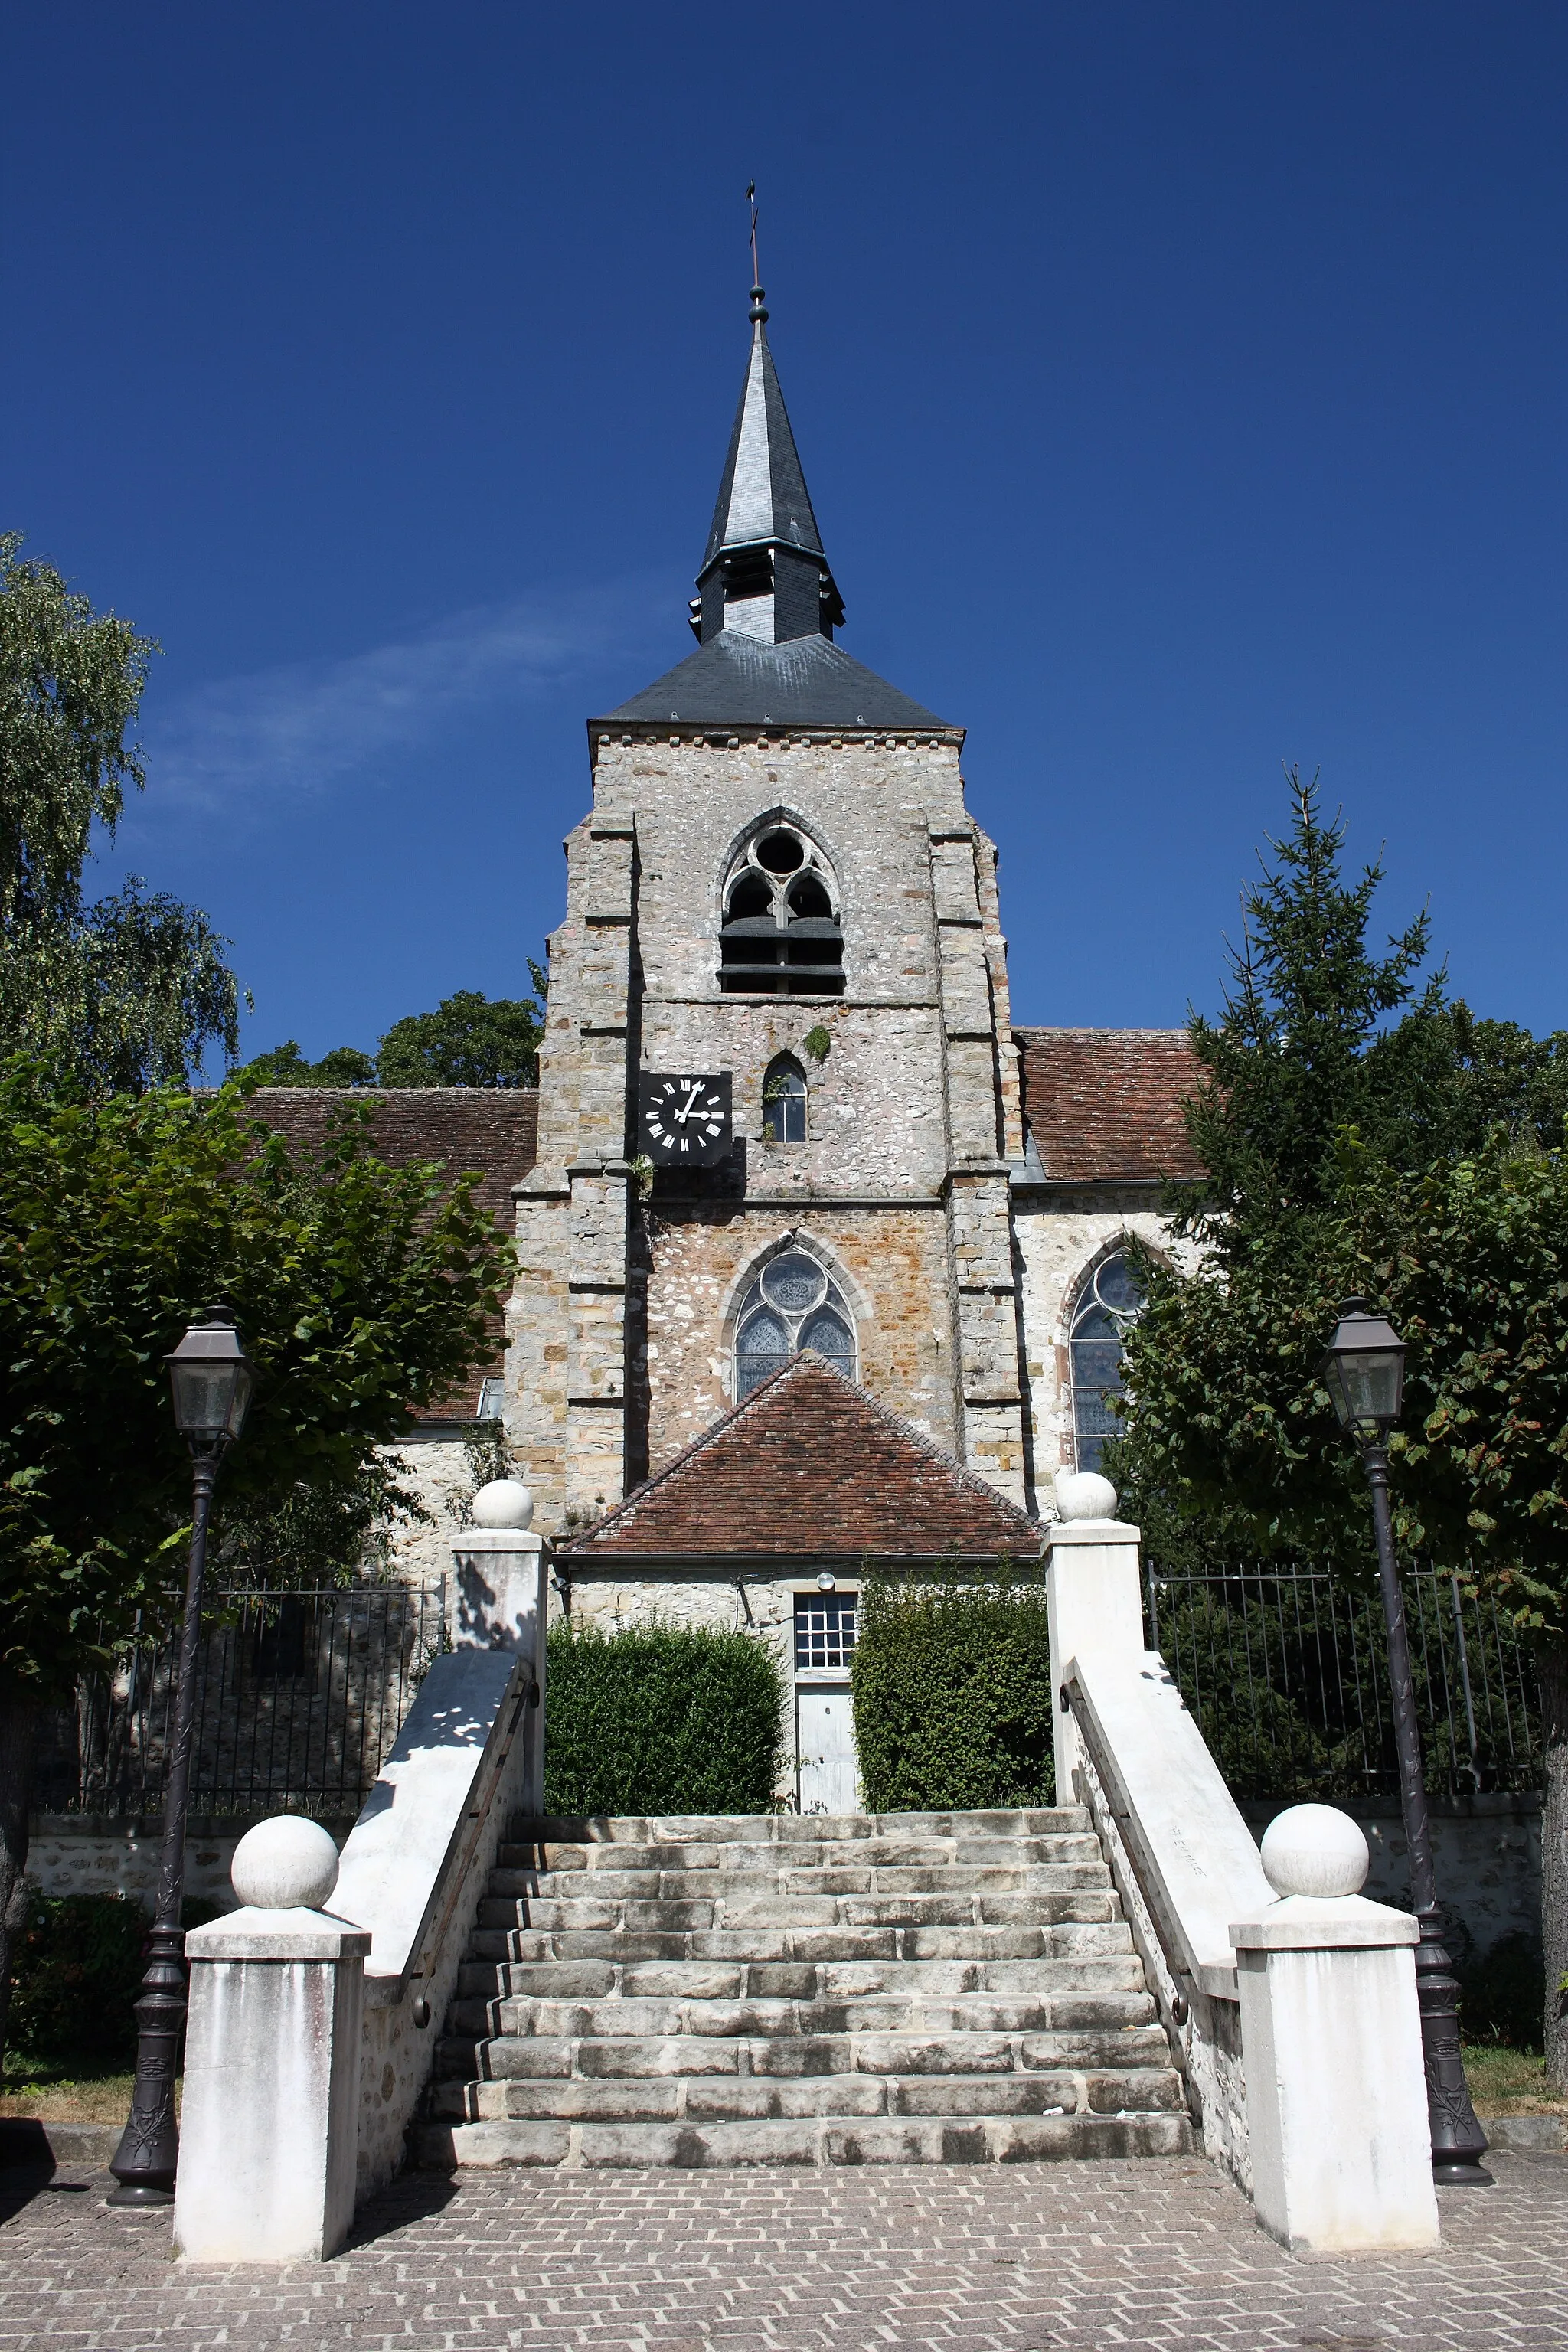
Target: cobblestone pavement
x,y
1158,2252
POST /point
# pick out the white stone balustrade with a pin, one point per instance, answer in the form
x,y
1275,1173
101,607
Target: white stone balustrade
x,y
501,1603
1289,1999
312,2033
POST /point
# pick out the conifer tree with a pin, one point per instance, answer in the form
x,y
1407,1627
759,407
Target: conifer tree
x,y
1362,1134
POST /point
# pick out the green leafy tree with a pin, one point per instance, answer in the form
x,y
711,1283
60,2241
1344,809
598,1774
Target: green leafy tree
x,y
285,1065
130,989
1414,1160
362,1291
469,1041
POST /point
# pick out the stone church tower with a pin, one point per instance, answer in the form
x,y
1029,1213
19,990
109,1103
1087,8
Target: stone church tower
x,y
779,885
821,1262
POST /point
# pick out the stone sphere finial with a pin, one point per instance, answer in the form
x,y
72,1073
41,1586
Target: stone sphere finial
x,y
1084,1494
1315,1850
284,1864
504,1503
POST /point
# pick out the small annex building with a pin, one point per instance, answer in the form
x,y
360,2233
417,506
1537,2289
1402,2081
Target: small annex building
x,y
772,1516
820,1254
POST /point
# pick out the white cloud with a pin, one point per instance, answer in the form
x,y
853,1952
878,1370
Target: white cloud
x,y
306,724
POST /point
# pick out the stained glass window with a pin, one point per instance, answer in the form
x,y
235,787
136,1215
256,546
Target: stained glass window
x,y
793,1304
1113,1299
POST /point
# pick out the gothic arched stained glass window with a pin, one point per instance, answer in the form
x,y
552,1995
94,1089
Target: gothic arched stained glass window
x,y
793,1304
1113,1299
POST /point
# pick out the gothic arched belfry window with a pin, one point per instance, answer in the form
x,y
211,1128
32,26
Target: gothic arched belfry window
x,y
780,934
1113,1299
793,1304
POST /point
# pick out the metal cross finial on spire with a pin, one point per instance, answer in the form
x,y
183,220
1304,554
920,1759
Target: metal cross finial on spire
x,y
758,313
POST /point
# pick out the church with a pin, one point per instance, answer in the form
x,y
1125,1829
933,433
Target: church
x,y
820,1257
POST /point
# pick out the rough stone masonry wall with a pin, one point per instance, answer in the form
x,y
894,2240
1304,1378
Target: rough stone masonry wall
x,y
441,1475
888,1263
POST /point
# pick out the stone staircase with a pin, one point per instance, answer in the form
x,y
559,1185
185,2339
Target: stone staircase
x,y
903,1989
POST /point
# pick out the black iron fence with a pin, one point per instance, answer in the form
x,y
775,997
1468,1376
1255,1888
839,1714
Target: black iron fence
x,y
1287,1672
299,1697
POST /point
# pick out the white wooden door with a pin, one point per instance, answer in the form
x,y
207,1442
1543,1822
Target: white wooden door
x,y
829,1775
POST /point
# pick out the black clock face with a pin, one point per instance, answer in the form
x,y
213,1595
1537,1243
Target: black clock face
x,y
684,1121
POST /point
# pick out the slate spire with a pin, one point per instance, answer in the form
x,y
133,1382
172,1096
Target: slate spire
x,y
764,574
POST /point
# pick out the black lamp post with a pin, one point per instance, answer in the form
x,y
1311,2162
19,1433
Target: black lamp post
x,y
212,1381
1364,1372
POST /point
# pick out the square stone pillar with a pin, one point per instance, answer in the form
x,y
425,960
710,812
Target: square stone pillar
x,y
1094,1605
503,1604
269,2130
1336,2085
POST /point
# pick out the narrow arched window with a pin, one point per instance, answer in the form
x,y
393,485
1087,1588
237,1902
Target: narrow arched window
x,y
1112,1300
784,1100
793,1304
779,933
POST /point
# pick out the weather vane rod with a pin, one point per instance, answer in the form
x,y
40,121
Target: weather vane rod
x,y
757,309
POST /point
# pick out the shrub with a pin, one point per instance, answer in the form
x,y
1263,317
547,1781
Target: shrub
x,y
75,1970
952,1684
1503,1992
661,1719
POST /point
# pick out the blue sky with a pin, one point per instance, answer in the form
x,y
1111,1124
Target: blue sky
x,y
1181,390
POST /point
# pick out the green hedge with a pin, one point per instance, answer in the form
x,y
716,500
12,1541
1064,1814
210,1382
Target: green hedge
x,y
661,1719
75,1970
952,1695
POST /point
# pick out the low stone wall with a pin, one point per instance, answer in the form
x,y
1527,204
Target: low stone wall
x,y
1488,1855
80,1854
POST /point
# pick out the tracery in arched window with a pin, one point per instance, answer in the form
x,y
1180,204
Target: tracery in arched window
x,y
793,1304
1113,1299
780,934
784,1100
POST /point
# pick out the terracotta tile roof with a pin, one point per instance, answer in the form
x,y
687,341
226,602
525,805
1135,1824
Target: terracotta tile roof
x,y
1105,1105
811,1466
492,1129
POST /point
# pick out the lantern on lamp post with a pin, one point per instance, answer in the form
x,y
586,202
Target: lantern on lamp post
x,y
1364,1372
212,1380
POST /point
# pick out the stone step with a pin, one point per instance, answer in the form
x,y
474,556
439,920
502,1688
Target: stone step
x,y
739,2098
501,1975
828,2140
875,2014
760,1912
743,1857
794,1828
987,1941
1040,1982
584,1977
1096,2042
731,1886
